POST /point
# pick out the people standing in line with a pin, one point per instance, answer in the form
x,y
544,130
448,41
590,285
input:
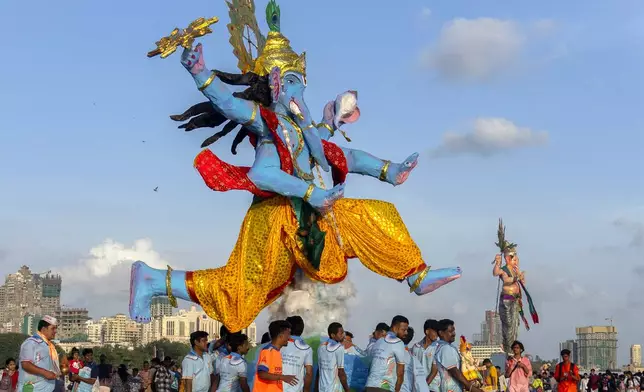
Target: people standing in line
x,y
388,358
269,377
448,360
197,366
425,350
233,369
9,376
566,373
331,376
297,358
39,366
518,369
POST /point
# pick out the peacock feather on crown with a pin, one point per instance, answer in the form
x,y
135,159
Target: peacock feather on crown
x,y
255,52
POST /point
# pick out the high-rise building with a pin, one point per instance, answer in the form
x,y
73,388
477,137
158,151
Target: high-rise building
x,y
72,323
21,296
490,334
160,307
573,347
25,293
121,330
485,351
597,347
178,327
50,286
94,331
636,355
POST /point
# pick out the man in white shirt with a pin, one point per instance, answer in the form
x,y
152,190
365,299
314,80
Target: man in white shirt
x,y
297,358
387,371
233,369
425,351
415,375
331,375
350,348
379,333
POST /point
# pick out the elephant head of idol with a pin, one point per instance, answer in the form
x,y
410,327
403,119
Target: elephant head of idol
x,y
286,71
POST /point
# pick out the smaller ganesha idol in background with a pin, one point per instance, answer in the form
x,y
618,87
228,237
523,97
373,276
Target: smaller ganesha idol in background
x,y
469,365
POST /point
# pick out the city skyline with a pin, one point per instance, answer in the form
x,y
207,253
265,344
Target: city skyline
x,y
25,297
75,321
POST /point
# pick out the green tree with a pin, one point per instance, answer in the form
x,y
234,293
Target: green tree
x,y
10,346
135,357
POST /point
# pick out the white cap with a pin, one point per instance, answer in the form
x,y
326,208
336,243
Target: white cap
x,y
51,320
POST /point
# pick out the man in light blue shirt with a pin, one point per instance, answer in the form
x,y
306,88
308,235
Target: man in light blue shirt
x,y
379,333
425,351
197,366
350,348
448,361
233,368
88,375
38,361
331,374
387,371
219,348
297,358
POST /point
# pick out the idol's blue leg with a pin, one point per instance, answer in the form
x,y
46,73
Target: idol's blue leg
x,y
146,283
433,279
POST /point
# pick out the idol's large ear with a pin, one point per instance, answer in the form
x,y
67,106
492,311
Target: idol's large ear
x,y
275,83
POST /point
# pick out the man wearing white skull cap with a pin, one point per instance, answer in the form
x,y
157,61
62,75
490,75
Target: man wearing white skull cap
x,y
38,361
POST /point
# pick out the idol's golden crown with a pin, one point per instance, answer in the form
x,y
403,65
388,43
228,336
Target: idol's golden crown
x,y
278,53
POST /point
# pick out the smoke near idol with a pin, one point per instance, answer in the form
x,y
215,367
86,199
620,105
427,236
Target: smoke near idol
x,y
317,303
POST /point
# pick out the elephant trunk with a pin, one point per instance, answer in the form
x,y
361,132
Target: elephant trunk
x,y
311,136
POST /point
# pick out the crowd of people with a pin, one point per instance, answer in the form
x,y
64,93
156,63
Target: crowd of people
x,y
568,379
285,363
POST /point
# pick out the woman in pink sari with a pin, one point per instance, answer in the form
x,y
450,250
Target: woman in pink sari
x,y
518,370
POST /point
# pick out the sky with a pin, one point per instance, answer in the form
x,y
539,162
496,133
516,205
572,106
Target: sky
x,y
530,111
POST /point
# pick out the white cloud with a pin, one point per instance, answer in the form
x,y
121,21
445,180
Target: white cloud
x,y
110,254
101,280
489,136
425,13
475,49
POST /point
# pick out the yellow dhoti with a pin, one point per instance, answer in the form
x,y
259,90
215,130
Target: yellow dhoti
x,y
268,252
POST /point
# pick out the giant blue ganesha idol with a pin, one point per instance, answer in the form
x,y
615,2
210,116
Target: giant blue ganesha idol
x,y
294,223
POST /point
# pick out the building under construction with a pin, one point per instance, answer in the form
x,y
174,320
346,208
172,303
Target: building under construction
x,y
597,347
